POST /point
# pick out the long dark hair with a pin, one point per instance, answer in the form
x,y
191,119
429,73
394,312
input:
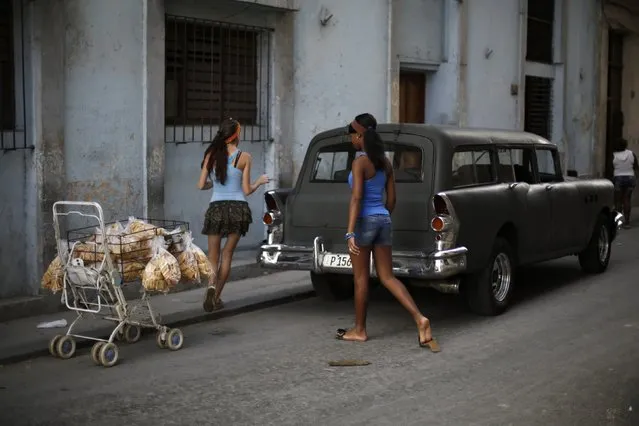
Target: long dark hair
x,y
219,150
621,145
373,144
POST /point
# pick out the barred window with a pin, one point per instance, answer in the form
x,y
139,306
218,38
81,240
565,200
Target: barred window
x,y
7,67
214,71
540,33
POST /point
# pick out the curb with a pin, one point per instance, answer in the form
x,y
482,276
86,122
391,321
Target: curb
x,y
178,319
48,303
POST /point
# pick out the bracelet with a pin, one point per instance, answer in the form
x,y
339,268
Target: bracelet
x,y
349,235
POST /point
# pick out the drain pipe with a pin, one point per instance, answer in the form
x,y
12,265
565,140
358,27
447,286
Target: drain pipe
x,y
521,62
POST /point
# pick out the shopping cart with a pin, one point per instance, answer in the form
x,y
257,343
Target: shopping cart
x,y
93,283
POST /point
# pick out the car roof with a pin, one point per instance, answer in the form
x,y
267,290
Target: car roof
x,y
451,135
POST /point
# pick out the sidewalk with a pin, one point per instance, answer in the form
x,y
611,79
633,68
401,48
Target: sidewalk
x,y
244,266
20,339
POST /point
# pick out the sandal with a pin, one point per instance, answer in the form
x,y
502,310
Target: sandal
x,y
209,299
430,344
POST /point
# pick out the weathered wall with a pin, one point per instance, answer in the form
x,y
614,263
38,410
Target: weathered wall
x,y
13,264
340,68
582,82
630,96
493,63
418,31
182,199
103,135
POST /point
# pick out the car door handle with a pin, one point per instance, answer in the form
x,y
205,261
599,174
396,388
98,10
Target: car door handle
x,y
549,187
513,185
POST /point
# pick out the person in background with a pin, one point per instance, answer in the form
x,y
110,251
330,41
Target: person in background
x,y
228,215
625,166
369,229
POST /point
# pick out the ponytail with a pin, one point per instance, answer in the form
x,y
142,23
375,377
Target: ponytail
x,y
374,147
218,150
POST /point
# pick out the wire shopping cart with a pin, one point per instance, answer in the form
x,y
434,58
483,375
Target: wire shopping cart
x,y
94,276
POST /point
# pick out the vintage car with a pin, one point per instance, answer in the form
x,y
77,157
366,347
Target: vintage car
x,y
472,206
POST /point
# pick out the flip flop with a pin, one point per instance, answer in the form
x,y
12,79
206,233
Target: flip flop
x,y
340,333
209,300
430,344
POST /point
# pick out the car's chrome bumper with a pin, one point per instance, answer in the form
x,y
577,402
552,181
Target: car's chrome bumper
x,y
435,265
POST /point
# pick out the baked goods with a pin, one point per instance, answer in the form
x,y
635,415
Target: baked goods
x,y
163,271
189,266
53,278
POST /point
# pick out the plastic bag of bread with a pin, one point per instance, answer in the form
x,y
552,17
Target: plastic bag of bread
x,y
89,252
203,263
114,233
132,271
139,236
163,271
189,266
53,278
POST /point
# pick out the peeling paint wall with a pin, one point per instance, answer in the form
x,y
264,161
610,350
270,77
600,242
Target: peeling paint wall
x,y
493,63
340,67
103,138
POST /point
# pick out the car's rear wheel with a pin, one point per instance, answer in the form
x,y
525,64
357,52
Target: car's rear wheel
x,y
488,291
596,256
333,286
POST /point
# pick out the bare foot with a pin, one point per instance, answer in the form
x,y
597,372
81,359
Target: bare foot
x,y
426,336
351,335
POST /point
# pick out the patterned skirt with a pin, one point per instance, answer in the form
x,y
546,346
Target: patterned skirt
x,y
227,217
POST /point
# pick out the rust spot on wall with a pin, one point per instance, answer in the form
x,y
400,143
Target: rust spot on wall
x,y
119,198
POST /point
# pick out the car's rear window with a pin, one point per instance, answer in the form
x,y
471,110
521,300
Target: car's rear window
x,y
333,163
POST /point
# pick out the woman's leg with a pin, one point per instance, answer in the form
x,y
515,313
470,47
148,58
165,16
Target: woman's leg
x,y
214,242
626,199
383,264
361,274
225,264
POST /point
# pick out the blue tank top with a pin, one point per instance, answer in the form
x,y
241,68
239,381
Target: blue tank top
x,y
372,203
231,190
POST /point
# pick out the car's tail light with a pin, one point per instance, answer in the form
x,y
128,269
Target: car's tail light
x,y
439,204
437,224
272,218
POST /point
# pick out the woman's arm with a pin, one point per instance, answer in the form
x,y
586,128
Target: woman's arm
x,y
356,194
247,187
391,198
204,183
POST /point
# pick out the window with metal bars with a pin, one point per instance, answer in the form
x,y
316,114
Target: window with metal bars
x,y
7,67
216,70
540,31
538,106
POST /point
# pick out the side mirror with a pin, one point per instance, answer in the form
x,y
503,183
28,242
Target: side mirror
x,y
573,173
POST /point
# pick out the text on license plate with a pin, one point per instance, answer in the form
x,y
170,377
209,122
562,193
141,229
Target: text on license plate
x,y
337,261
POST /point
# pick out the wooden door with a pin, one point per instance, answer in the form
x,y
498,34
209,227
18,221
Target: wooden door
x,y
412,97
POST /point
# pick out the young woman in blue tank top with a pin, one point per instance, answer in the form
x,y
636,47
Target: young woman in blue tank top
x,y
369,230
228,215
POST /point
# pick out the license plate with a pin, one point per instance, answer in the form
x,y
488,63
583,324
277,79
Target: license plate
x,y
337,261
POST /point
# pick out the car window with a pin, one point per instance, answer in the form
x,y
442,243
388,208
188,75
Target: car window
x,y
472,167
333,162
547,165
515,165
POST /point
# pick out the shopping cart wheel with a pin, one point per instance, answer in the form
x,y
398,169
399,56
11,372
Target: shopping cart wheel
x,y
53,345
109,354
132,333
174,339
161,341
95,352
66,347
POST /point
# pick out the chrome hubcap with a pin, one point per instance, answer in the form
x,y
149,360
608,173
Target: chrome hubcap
x,y
604,244
501,277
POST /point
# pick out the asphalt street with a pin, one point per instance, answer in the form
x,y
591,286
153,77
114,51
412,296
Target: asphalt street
x,y
567,353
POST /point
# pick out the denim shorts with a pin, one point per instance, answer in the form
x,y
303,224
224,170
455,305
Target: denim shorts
x,y
374,230
624,182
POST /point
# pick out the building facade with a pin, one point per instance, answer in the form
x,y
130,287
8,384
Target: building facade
x,y
114,101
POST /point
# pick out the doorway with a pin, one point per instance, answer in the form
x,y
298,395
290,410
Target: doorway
x,y
614,116
412,97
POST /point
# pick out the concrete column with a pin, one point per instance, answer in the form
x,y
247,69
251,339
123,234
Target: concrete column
x,y
47,41
153,104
